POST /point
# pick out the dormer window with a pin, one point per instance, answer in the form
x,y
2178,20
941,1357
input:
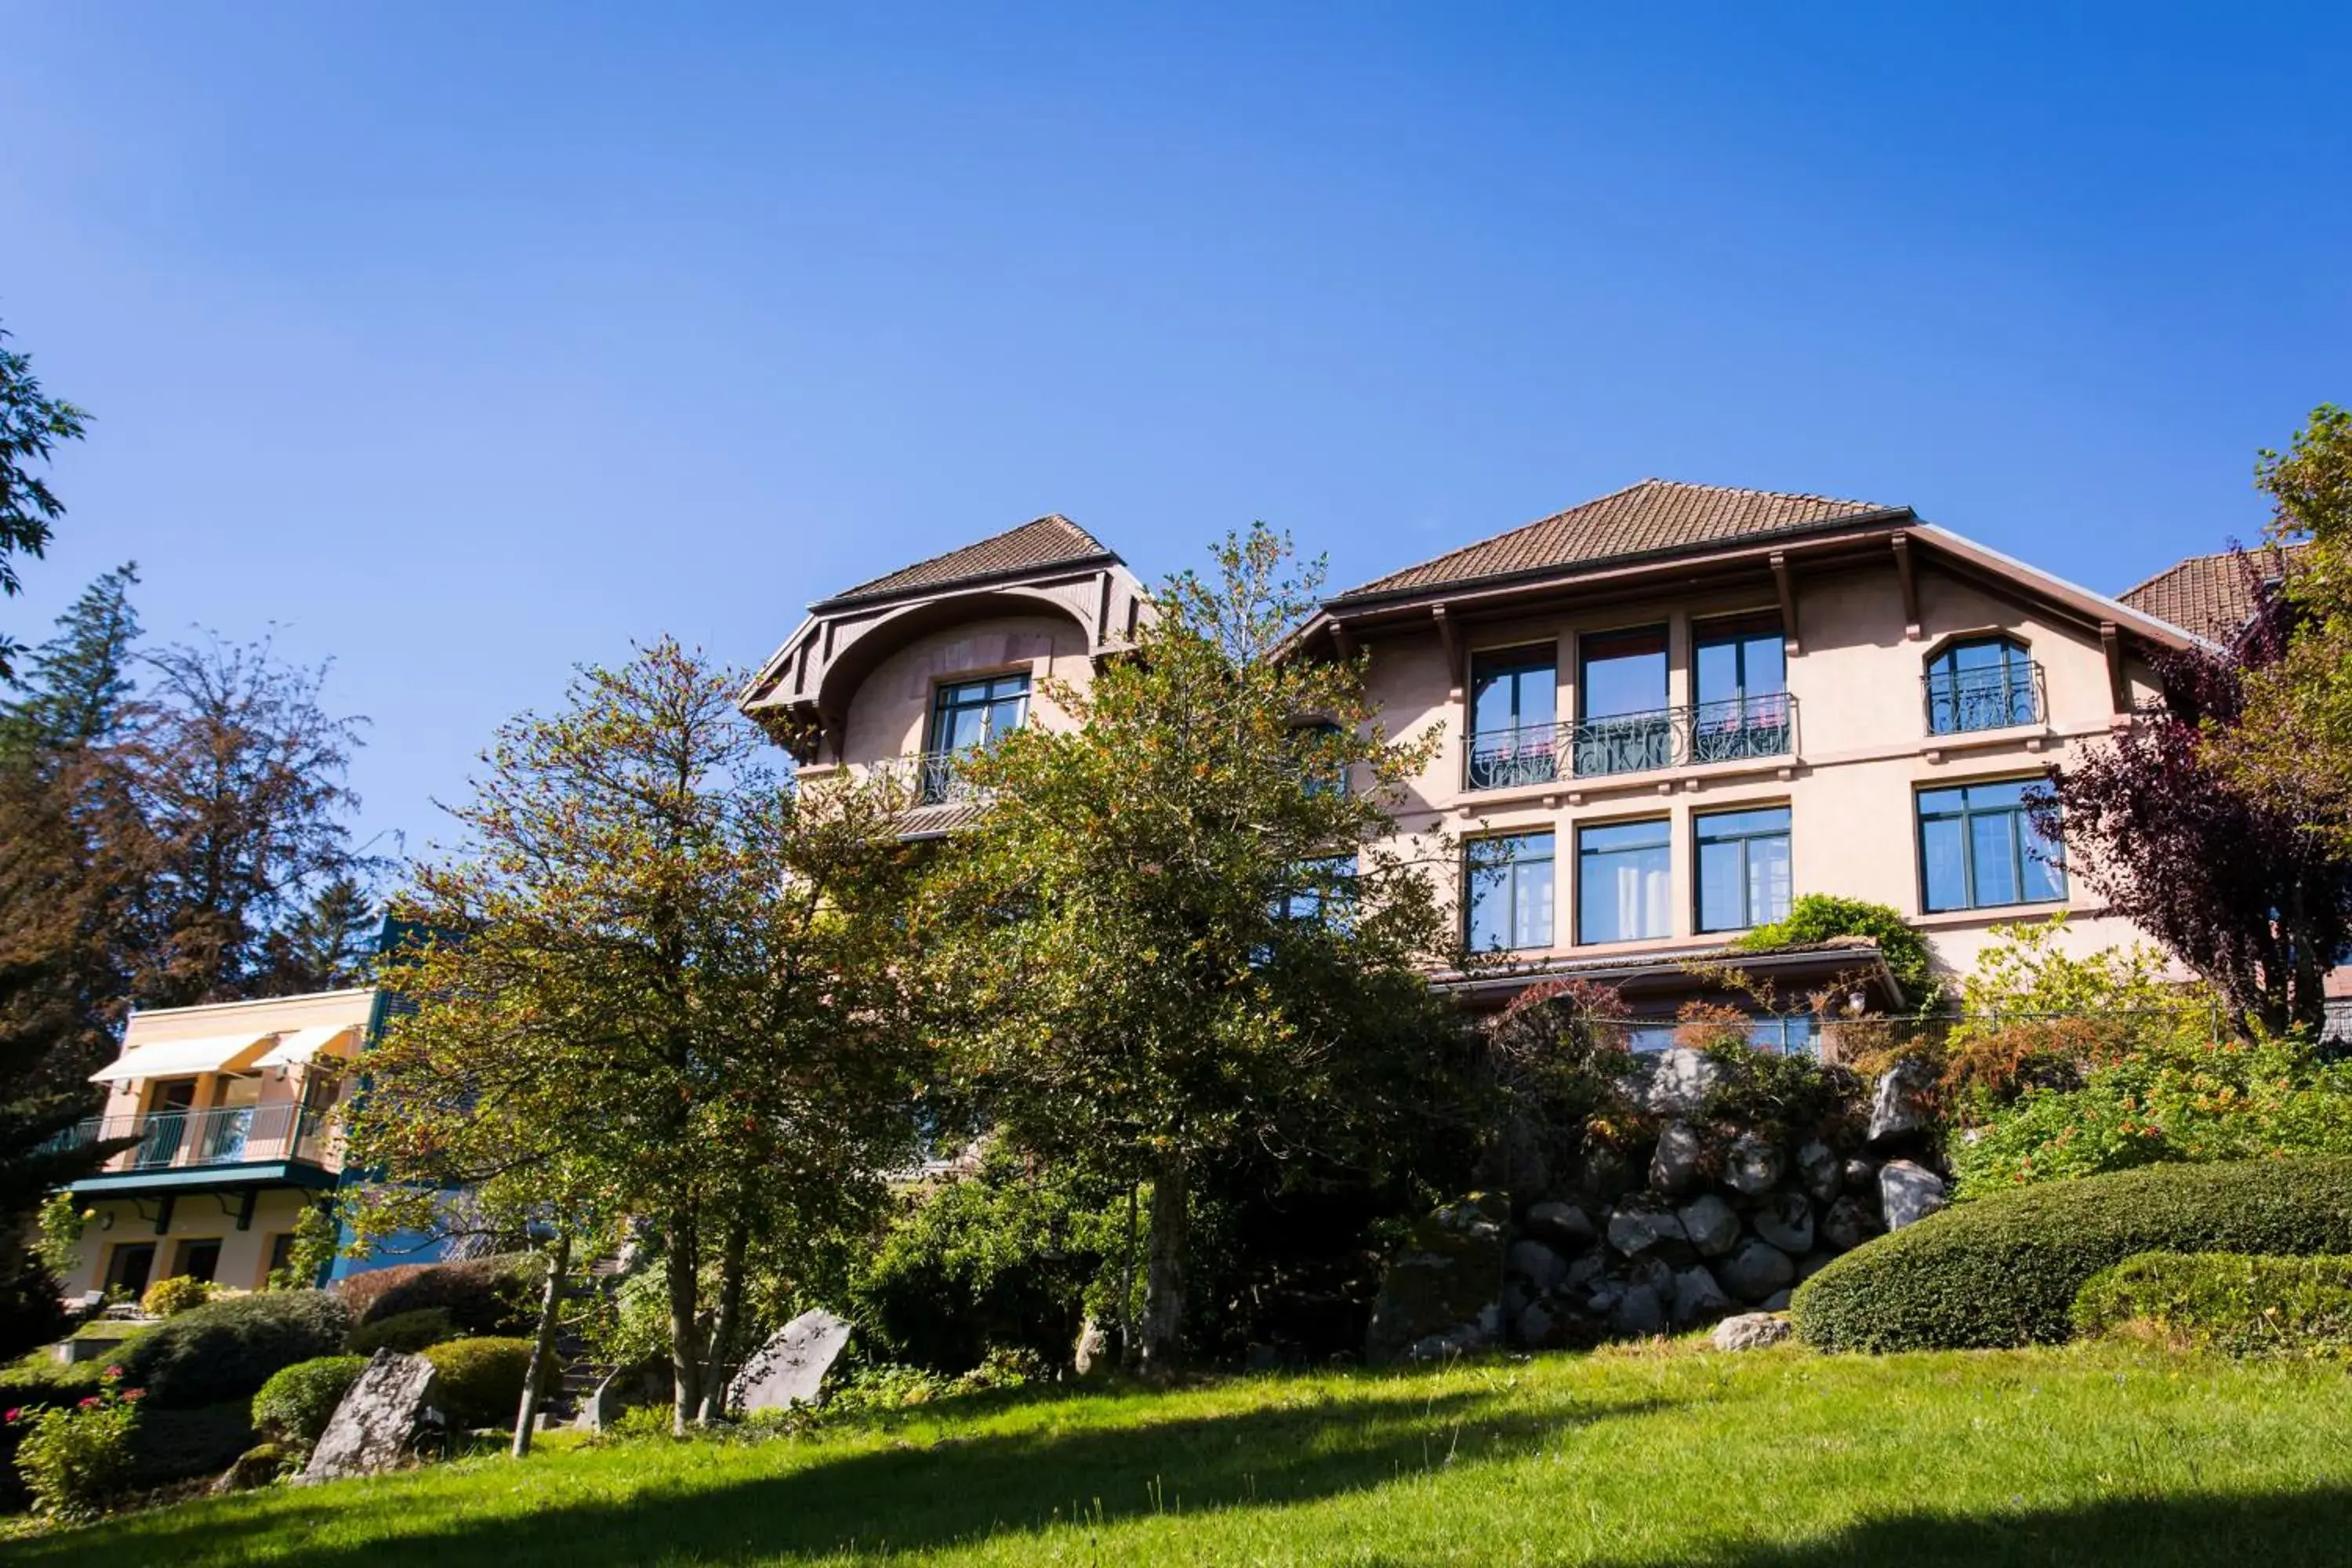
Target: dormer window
x,y
1982,683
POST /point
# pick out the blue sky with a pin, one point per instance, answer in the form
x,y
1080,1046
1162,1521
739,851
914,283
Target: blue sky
x,y
464,343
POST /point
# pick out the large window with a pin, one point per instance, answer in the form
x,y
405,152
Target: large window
x,y
1510,892
1623,723
968,716
1513,698
1742,689
1978,848
1743,868
1625,882
1987,683
1324,891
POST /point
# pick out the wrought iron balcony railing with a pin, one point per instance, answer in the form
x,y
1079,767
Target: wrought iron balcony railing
x,y
178,1139
1744,726
1997,698
931,778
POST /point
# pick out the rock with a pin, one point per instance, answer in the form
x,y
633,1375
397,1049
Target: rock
x,y
1786,1220
1585,1270
1563,1224
1639,1225
388,1414
1899,1105
1638,1314
1537,1327
1907,1192
1862,1178
1653,1273
1847,1224
1674,1168
790,1368
256,1467
1606,1176
1449,1273
1750,1332
1752,1164
1091,1354
1697,1297
625,1388
1674,1082
1821,1171
1711,1225
1537,1263
1777,1301
1756,1270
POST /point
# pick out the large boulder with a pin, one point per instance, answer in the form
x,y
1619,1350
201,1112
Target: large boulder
x,y
1756,1270
1641,1224
1537,1263
1444,1284
1820,1170
790,1368
623,1388
1750,1332
1900,1105
1675,1166
385,1419
1847,1224
1752,1164
1907,1192
1697,1297
1639,1312
1676,1082
1711,1225
1786,1220
1565,1225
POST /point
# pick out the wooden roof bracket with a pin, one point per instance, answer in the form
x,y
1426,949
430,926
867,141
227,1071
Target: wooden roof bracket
x,y
1343,641
2118,687
1784,583
1902,543
1453,644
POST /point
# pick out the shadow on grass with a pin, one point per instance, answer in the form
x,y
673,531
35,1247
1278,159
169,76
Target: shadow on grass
x,y
885,1501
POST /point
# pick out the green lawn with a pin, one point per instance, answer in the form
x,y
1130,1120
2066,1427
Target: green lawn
x,y
1665,1458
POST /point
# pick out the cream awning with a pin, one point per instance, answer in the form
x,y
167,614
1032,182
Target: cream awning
x,y
300,1047
181,1058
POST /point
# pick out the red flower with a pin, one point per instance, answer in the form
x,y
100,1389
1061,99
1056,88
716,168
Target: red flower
x,y
131,1395
87,1403
112,1372
13,1414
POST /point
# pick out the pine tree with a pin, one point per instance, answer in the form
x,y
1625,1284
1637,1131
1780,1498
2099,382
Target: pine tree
x,y
79,681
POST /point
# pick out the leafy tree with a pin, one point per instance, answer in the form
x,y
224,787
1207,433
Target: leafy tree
x,y
1185,925
1820,917
80,680
31,425
675,994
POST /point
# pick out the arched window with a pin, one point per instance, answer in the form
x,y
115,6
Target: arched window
x,y
1982,683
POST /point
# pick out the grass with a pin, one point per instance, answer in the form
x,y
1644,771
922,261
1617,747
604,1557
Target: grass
x,y
2104,1454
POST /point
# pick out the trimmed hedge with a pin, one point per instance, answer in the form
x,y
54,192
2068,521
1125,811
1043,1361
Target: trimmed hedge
x,y
2004,1270
295,1405
2233,1303
227,1350
481,1380
408,1333
483,1296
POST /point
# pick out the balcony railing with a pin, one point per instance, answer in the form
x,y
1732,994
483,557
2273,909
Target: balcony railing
x,y
1998,698
930,778
181,1140
1743,727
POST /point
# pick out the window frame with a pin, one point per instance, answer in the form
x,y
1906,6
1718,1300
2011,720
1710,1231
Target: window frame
x,y
1666,843
1510,889
2018,674
934,731
1966,817
1699,842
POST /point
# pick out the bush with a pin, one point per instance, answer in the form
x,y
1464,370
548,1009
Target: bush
x,y
295,1405
405,1331
169,1298
2227,1301
483,1296
227,1350
75,1459
1818,917
2004,1270
173,1445
481,1379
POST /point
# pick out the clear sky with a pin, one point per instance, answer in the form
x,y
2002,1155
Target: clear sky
x,y
463,344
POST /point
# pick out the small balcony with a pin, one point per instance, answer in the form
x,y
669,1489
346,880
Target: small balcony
x,y
1994,698
1740,728
930,778
188,1139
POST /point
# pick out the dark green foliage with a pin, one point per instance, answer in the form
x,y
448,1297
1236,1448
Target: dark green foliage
x,y
2004,1270
227,1350
482,1295
2237,1303
1818,917
169,1446
1789,1098
404,1332
481,1379
30,1386
297,1401
31,425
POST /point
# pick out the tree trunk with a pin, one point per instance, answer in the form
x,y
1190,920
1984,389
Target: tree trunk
x,y
542,1348
1163,1285
682,1272
723,1329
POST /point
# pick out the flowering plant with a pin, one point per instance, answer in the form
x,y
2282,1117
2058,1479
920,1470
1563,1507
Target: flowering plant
x,y
74,1460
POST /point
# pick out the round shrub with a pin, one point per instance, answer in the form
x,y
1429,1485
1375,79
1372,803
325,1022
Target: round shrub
x,y
481,1380
405,1331
295,1405
2233,1302
483,1296
169,1298
227,1350
2004,1270
1820,917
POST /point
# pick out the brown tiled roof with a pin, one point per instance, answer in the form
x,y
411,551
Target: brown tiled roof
x,y
1050,541
2210,595
1646,518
